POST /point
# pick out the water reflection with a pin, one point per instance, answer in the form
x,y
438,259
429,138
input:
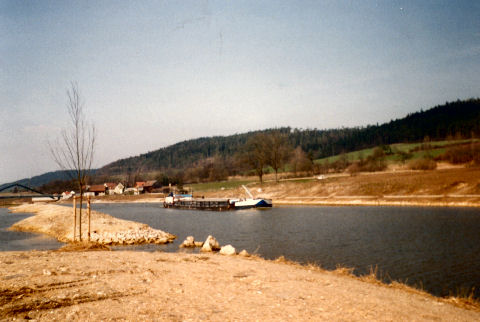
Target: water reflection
x,y
17,241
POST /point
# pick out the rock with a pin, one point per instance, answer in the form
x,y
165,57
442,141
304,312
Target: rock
x,y
210,244
189,242
227,250
206,247
162,240
198,244
244,253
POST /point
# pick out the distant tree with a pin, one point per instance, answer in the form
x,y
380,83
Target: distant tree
x,y
255,154
278,150
75,150
299,161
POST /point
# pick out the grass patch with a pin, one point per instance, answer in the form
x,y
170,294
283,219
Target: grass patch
x,y
437,148
218,185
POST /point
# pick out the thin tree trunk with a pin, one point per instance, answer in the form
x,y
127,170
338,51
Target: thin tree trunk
x,y
89,215
80,213
74,217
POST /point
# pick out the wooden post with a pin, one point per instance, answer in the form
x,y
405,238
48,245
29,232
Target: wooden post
x,y
89,212
74,217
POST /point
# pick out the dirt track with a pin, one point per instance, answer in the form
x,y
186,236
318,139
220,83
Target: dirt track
x,y
92,286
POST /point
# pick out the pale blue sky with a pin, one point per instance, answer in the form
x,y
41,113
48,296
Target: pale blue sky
x,y
155,73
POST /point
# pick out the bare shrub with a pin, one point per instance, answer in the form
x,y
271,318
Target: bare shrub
x,y
422,164
463,154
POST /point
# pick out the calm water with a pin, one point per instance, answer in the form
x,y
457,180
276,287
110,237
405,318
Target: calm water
x,y
13,240
438,248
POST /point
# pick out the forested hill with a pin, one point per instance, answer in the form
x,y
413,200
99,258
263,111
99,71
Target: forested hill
x,y
42,179
460,118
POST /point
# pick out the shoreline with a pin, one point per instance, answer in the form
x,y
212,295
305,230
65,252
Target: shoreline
x,y
296,201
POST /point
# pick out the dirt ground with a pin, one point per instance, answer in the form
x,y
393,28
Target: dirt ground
x,y
104,285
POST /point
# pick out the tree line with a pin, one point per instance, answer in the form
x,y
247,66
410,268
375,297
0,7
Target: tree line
x,y
213,158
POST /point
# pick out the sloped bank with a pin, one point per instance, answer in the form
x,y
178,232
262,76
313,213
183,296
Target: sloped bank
x,y
57,221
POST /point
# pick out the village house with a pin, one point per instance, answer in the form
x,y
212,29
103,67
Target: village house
x,y
110,187
145,186
119,189
97,189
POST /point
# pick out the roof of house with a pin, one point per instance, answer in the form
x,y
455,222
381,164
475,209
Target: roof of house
x,y
150,183
110,185
139,184
97,188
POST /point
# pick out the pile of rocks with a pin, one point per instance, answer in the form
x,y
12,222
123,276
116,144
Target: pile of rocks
x,y
211,245
145,235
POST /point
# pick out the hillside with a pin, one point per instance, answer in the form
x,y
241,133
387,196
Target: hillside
x,y
454,119
460,119
41,179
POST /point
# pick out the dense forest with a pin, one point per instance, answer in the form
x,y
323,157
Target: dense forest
x,y
454,119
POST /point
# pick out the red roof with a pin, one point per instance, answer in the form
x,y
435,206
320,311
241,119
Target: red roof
x,y
139,184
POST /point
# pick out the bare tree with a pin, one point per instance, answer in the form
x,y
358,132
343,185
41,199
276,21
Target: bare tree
x,y
299,161
256,154
74,150
278,150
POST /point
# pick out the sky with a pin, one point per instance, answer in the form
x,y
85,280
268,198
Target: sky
x,y
153,73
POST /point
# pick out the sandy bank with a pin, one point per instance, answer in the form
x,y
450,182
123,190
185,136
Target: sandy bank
x,y
57,221
92,286
405,202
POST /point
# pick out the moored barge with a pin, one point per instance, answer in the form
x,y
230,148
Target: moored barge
x,y
198,203
217,204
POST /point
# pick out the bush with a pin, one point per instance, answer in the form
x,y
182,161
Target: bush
x,y
462,154
422,164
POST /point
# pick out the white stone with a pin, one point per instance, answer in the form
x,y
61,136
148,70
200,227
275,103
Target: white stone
x,y
227,250
210,244
189,242
244,253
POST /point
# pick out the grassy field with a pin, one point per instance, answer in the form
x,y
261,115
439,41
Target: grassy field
x,y
437,148
197,187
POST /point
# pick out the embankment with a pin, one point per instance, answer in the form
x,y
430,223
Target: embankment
x,y
451,187
57,221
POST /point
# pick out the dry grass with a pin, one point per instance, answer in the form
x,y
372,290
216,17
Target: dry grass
x,y
464,299
83,246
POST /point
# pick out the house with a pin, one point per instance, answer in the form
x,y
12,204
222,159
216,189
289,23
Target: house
x,y
119,189
149,185
68,194
97,189
110,187
145,186
139,187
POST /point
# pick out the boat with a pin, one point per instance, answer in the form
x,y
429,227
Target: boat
x,y
187,201
252,202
